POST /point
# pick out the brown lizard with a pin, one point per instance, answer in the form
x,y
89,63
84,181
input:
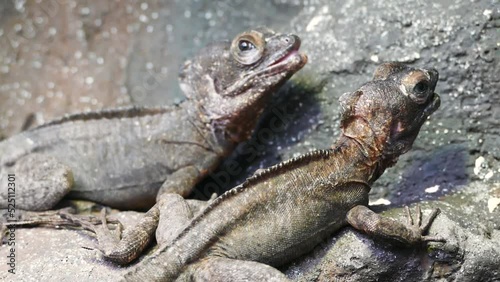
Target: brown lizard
x,y
282,212
122,158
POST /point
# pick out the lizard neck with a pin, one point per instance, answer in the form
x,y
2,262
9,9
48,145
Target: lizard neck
x,y
367,141
238,125
234,125
215,133
361,155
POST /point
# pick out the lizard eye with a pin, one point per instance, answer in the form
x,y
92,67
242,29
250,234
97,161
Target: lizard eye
x,y
248,47
245,45
421,88
418,87
420,91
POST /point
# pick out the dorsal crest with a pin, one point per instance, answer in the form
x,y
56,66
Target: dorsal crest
x,y
127,112
257,178
285,166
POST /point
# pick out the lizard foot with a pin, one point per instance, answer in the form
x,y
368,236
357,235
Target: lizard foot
x,y
106,241
89,222
424,226
59,219
64,218
132,242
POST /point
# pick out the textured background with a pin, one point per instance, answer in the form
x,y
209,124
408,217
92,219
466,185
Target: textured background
x,y
65,56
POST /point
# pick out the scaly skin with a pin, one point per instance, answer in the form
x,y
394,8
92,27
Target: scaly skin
x,y
285,211
124,158
282,212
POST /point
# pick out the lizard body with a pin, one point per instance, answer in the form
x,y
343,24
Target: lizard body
x,y
122,158
129,153
284,211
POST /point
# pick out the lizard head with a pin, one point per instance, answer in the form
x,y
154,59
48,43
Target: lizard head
x,y
387,112
230,82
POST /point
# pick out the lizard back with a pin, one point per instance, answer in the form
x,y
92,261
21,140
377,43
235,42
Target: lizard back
x,y
315,180
119,156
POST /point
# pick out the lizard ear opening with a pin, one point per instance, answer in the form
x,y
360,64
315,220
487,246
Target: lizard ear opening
x,y
347,104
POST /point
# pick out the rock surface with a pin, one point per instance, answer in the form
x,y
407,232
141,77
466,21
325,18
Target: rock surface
x,y
455,162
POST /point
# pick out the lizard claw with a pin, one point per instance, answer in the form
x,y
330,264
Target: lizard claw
x,y
77,221
90,222
428,221
423,226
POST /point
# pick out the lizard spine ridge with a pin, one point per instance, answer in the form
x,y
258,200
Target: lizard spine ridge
x,y
125,112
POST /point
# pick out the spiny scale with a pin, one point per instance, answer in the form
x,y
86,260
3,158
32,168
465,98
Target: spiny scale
x,y
109,114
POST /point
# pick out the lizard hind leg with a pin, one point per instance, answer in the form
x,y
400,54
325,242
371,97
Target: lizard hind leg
x,y
222,269
133,242
42,181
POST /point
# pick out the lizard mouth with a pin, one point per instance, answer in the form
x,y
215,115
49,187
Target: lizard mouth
x,y
288,59
290,62
433,105
288,56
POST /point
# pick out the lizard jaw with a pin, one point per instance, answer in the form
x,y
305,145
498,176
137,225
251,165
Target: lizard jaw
x,y
433,105
288,64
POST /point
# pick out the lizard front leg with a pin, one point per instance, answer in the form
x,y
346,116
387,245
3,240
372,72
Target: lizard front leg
x,y
167,218
364,219
133,241
181,182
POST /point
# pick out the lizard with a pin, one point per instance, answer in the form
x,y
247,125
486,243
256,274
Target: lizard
x,y
124,158
282,212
